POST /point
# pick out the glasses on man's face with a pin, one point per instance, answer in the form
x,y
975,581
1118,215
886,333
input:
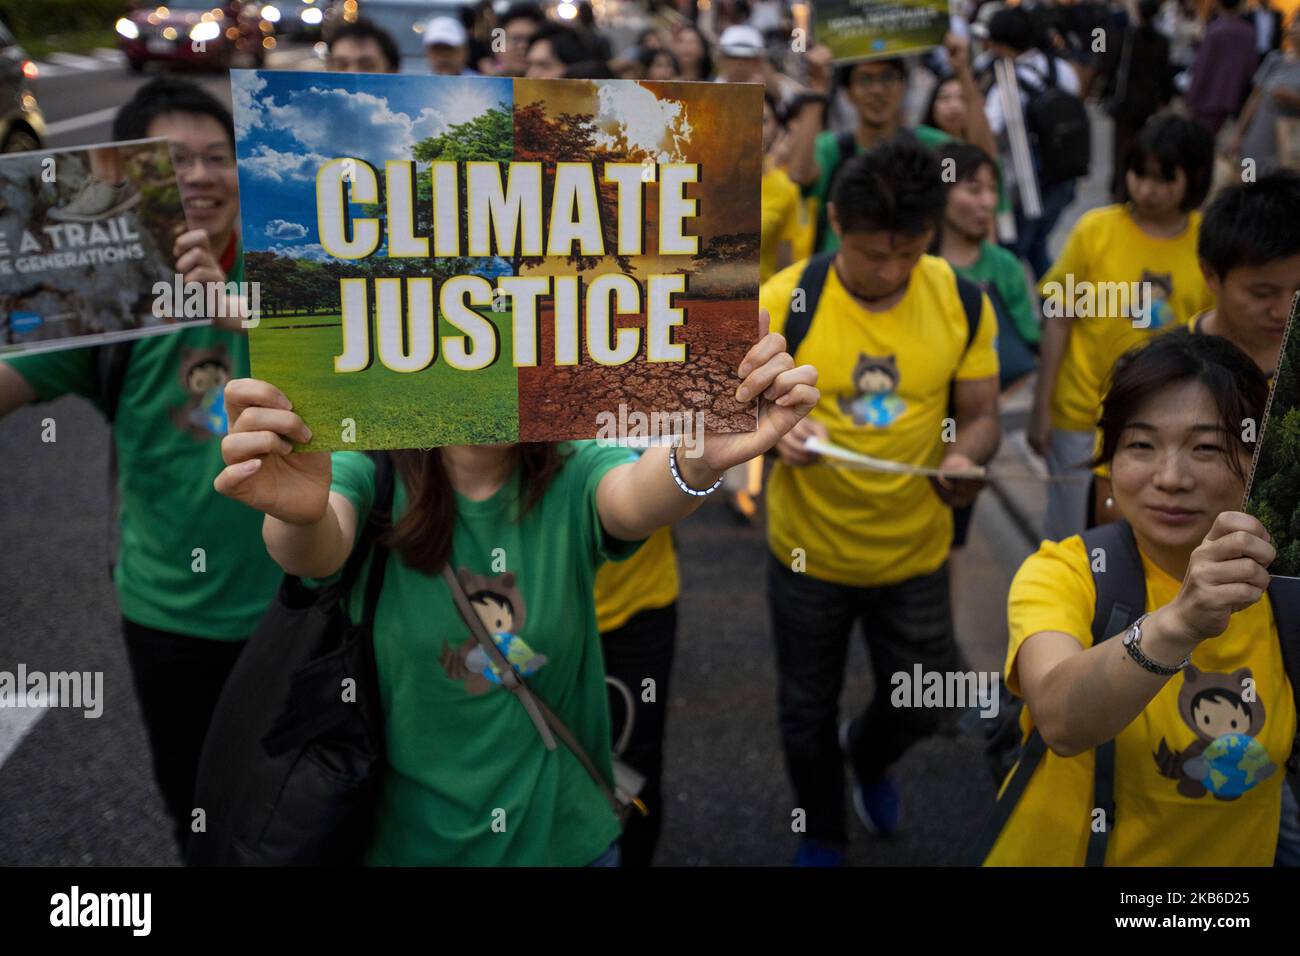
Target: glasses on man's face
x,y
219,159
871,81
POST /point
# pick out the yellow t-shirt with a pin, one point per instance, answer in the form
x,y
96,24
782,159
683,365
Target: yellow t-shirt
x,y
645,581
1186,738
780,218
1106,251
884,380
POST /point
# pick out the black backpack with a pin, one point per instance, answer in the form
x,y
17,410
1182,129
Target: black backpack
x,y
1059,129
295,754
813,279
1121,600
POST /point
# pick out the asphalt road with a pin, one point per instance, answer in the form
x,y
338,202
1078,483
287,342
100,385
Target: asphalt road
x,y
77,790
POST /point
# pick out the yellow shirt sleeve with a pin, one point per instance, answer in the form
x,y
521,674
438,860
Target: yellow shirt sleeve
x,y
981,359
774,295
1073,259
1052,591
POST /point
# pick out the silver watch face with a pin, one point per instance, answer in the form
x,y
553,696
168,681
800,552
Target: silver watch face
x,y
1130,637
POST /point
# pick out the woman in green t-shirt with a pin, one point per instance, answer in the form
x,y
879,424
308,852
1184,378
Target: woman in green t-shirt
x,y
524,528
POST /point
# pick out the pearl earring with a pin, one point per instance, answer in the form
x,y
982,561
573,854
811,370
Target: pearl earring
x,y
1110,502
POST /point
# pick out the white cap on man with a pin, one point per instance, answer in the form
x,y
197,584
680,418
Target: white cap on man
x,y
740,41
445,31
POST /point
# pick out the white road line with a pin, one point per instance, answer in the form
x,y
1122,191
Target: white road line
x,y
74,123
108,53
15,724
46,70
76,61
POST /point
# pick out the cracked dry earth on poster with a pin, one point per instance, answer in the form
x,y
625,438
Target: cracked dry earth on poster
x,y
557,403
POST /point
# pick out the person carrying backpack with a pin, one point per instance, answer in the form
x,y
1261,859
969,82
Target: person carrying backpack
x,y
1056,123
485,594
1153,654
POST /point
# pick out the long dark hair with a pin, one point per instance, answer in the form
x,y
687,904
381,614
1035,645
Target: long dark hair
x,y
422,536
1239,388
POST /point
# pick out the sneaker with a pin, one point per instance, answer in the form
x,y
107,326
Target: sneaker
x,y
97,200
877,804
815,853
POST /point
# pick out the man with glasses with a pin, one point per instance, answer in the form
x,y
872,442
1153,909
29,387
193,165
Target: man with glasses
x,y
876,90
192,575
519,24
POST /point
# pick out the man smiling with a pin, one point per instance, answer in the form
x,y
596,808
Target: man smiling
x,y
192,575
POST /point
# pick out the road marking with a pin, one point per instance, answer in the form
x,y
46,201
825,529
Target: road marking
x,y
76,61
81,122
15,724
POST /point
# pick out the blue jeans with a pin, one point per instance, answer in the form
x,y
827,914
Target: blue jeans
x,y
611,857
1032,234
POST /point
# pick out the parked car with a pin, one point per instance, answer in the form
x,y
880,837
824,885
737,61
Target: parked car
x,y
21,124
200,33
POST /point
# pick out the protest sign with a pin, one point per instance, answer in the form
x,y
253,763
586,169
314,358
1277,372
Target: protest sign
x,y
85,242
467,260
1273,488
863,29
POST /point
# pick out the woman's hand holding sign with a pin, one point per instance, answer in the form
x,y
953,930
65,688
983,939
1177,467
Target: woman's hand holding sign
x,y
261,470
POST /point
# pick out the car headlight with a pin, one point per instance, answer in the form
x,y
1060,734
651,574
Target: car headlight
x,y
127,28
203,32
271,14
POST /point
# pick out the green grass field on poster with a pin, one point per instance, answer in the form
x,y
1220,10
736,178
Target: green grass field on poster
x,y
468,407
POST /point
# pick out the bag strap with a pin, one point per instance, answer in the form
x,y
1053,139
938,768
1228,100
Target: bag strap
x,y
811,282
970,294
548,723
1121,598
377,522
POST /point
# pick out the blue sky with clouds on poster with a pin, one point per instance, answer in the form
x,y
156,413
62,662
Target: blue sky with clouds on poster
x,y
287,125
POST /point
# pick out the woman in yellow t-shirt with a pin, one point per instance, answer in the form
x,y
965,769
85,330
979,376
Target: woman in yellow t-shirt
x,y
1196,696
1127,272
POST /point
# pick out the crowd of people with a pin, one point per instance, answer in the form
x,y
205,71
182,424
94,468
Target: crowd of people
x,y
910,283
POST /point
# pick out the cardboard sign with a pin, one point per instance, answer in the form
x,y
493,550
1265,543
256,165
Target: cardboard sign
x,y
85,243
470,260
1273,489
867,29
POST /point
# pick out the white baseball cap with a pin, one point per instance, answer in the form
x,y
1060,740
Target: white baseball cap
x,y
445,31
741,41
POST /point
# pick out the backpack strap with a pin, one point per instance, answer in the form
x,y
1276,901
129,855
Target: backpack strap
x,y
1121,598
1284,596
846,147
971,295
377,522
811,283
110,365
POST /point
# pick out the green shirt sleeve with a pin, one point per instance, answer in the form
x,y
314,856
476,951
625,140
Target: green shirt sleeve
x,y
54,374
354,479
590,463
827,153
930,137
1012,286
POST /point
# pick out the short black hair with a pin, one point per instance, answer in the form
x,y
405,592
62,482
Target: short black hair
x,y
895,187
1239,388
1174,142
1015,27
647,55
845,73
168,94
967,160
523,11
362,30
1230,4
569,45
1249,224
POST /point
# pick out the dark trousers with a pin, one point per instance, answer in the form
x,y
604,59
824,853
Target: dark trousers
x,y
177,681
1032,234
641,648
903,624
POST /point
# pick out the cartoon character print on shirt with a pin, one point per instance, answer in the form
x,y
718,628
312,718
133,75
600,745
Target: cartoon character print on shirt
x,y
1225,759
1161,285
875,383
203,374
500,606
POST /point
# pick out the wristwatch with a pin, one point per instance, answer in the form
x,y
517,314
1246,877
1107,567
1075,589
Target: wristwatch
x,y
1133,644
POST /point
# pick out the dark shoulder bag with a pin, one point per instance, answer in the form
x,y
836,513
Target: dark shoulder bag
x,y
294,756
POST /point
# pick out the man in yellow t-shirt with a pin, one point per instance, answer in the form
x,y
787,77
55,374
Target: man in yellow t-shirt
x,y
1127,272
636,612
892,342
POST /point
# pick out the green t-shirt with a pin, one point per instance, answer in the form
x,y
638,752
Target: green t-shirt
x,y
469,780
826,150
170,420
1001,269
